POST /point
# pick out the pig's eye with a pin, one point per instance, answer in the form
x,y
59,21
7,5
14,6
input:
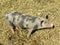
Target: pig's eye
x,y
42,21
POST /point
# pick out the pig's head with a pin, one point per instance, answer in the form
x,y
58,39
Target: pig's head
x,y
46,24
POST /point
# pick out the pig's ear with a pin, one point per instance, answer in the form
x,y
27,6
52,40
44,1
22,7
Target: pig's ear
x,y
46,16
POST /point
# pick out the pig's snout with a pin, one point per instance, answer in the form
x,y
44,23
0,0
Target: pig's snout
x,y
48,25
52,26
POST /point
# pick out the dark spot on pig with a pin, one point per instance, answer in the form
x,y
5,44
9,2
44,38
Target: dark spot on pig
x,y
33,19
16,13
35,27
21,24
11,23
23,17
28,19
13,19
22,21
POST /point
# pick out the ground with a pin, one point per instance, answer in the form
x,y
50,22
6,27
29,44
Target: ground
x,y
33,8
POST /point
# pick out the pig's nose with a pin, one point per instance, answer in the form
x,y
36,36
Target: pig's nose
x,y
52,25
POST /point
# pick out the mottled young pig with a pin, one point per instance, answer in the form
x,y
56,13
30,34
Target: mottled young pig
x,y
19,20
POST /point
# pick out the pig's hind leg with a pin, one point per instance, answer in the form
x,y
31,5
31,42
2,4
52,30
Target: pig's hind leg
x,y
12,27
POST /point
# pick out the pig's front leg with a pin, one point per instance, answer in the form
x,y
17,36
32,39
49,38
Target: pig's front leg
x,y
29,33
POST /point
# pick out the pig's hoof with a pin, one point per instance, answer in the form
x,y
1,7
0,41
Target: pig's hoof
x,y
10,38
1,44
46,16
